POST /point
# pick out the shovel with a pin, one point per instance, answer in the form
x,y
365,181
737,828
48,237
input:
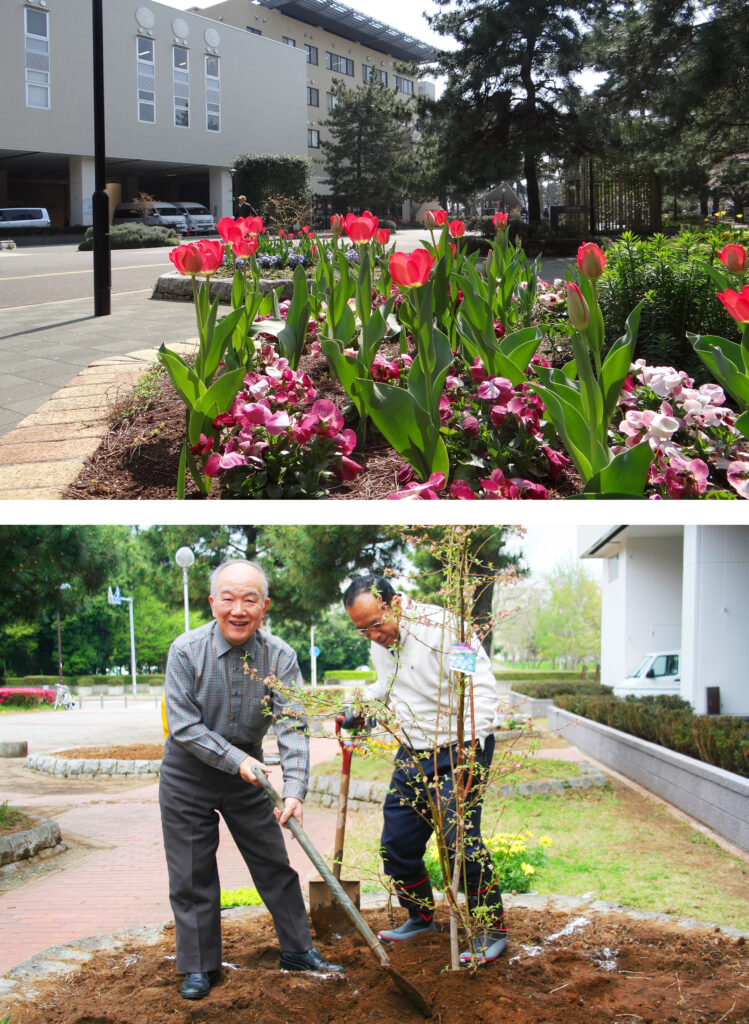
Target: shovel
x,y
409,991
327,916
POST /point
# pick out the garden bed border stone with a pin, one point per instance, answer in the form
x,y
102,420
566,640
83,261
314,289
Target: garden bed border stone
x,y
717,798
362,793
44,834
178,287
536,707
69,767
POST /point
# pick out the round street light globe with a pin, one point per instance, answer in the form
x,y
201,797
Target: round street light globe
x,y
184,558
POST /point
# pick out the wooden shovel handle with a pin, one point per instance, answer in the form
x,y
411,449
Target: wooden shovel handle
x,y
335,886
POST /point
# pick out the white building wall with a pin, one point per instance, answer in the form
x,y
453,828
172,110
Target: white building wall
x,y
715,616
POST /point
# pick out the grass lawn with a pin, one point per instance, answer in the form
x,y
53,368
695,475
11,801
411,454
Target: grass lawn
x,y
615,843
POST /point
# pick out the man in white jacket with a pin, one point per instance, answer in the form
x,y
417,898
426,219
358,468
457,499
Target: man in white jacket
x,y
411,650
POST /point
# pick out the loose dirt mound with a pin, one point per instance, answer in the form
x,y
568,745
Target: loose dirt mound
x,y
560,969
132,752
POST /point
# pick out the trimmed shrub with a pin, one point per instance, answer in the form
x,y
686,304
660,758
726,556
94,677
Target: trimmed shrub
x,y
523,675
545,689
720,740
351,673
133,236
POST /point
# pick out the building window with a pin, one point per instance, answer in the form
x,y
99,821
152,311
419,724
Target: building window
x,y
370,74
313,97
313,138
403,85
334,62
254,31
212,95
37,58
288,40
310,53
146,77
181,77
331,100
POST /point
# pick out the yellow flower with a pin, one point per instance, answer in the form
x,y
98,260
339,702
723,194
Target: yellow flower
x,y
527,869
545,841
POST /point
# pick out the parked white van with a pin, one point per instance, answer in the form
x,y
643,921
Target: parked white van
x,y
24,217
199,220
163,215
656,673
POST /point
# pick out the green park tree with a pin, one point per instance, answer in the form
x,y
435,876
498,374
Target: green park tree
x,y
568,625
370,156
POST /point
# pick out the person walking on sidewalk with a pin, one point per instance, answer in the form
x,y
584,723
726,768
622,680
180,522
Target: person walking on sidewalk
x,y
219,706
410,653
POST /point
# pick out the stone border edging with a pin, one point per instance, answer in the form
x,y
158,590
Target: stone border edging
x,y
325,788
176,287
67,957
14,748
44,835
69,427
69,767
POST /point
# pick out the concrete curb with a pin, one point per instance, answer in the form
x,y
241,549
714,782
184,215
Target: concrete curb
x,y
324,789
14,748
69,767
44,835
63,959
178,288
45,453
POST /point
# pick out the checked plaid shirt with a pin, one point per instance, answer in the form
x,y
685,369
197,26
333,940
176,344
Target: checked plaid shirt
x,y
219,707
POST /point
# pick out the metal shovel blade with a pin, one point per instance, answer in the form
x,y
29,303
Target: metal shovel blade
x,y
327,915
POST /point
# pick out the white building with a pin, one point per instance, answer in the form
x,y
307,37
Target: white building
x,y
676,588
185,93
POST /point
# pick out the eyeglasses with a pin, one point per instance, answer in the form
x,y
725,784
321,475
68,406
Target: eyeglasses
x,y
371,626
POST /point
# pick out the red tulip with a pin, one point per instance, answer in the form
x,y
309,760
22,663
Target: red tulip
x,y
245,247
590,260
411,269
382,236
440,217
734,258
457,228
499,220
360,229
231,229
736,303
212,252
253,225
577,307
188,259
337,224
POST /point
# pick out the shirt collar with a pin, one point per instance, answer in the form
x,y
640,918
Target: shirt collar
x,y
223,646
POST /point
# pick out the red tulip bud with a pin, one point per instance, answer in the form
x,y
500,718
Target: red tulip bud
x,y
577,307
734,258
590,260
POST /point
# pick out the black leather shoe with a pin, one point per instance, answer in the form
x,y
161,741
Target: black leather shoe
x,y
309,961
198,984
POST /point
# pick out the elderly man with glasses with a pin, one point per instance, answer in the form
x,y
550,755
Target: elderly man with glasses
x,y
411,647
219,705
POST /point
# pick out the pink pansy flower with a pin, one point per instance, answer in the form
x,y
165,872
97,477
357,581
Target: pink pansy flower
x,y
315,350
498,414
470,426
323,418
478,372
254,412
216,463
496,388
406,359
452,383
713,392
421,492
405,474
203,447
349,469
345,442
685,476
383,369
278,423
737,475
462,490
556,460
665,381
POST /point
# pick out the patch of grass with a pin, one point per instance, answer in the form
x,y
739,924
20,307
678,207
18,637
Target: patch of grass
x,y
13,820
244,897
142,397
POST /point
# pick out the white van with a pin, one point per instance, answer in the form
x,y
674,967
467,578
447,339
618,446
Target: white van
x,y
199,220
656,673
163,215
24,217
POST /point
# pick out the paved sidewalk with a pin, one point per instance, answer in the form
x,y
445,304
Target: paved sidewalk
x,y
124,883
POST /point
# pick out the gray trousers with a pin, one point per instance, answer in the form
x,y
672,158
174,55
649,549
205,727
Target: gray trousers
x,y
190,795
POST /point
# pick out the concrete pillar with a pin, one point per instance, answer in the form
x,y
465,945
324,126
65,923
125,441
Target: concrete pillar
x,y
221,201
715,611
82,183
3,188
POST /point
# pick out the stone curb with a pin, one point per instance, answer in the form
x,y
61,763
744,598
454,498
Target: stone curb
x,y
324,789
44,835
42,456
69,767
178,288
63,959
14,748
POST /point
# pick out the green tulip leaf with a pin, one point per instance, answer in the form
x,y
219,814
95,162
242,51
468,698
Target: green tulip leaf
x,y
186,382
626,473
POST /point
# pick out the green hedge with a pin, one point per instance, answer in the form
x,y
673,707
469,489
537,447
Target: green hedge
x,y
523,675
49,681
133,236
720,740
545,689
353,673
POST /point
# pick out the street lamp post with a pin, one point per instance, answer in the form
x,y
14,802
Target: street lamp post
x,y
63,586
184,559
117,599
100,198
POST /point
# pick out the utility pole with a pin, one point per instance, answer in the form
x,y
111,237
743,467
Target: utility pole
x,y
100,199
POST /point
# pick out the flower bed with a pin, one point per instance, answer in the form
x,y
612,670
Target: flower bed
x,y
482,385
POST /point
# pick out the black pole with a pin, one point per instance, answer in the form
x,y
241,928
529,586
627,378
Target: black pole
x,y
100,198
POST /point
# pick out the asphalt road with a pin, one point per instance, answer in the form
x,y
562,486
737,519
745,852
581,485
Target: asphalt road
x,y
50,273
89,726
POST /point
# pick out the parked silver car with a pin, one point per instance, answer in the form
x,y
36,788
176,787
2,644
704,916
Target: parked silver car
x,y
24,217
164,215
199,219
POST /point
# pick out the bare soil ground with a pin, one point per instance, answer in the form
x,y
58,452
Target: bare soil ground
x,y
131,752
559,969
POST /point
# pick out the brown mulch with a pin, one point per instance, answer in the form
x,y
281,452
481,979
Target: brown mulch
x,y
139,457
607,967
131,752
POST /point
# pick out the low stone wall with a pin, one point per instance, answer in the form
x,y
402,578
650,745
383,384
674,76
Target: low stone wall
x,y
324,789
44,835
536,707
177,287
68,767
718,798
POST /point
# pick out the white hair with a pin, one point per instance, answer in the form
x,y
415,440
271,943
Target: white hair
x,y
239,561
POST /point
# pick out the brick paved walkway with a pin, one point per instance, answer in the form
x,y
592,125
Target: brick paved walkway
x,y
124,885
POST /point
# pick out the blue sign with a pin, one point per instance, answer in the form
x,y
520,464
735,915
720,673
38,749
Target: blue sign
x,y
116,599
314,652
